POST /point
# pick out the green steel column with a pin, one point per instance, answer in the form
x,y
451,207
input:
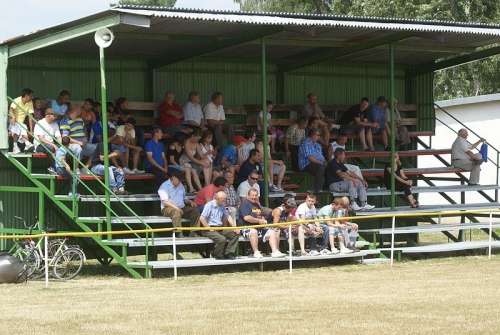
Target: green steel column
x,y
4,61
105,140
392,139
265,191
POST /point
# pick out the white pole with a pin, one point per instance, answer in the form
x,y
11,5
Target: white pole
x,y
46,261
290,246
392,239
489,240
175,254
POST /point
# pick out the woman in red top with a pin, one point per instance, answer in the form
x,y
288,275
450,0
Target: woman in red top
x,y
171,115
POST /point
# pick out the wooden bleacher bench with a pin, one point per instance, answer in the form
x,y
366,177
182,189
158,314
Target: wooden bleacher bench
x,y
425,189
412,171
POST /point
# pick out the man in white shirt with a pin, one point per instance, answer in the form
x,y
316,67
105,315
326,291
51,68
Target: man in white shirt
x,y
463,158
215,117
193,116
44,139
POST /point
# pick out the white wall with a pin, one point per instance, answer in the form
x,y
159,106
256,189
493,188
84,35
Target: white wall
x,y
482,116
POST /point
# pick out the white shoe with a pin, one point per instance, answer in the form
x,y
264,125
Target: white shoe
x,y
346,251
16,150
257,254
127,171
325,252
314,253
78,172
136,171
29,147
84,171
277,254
335,251
335,126
367,207
355,207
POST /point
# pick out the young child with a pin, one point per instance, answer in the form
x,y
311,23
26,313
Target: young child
x,y
37,114
275,133
63,168
336,227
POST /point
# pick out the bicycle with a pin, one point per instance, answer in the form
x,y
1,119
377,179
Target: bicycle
x,y
65,260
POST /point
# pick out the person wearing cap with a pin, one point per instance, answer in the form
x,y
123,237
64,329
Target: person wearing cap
x,y
215,214
228,158
175,205
376,114
283,214
355,122
215,118
43,137
116,176
307,211
250,213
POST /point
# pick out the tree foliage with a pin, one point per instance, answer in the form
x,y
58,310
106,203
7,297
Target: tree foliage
x,y
466,80
156,3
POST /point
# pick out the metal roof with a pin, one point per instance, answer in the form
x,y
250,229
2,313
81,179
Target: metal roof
x,y
177,34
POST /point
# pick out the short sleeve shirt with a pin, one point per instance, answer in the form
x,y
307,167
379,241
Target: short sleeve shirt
x,y
120,131
18,113
351,114
309,213
244,187
214,214
295,135
248,208
459,149
175,195
52,128
331,172
376,113
259,128
246,168
157,149
59,154
213,112
192,112
230,153
206,192
308,149
397,116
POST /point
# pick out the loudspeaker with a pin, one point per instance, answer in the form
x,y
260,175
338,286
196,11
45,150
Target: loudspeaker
x,y
104,37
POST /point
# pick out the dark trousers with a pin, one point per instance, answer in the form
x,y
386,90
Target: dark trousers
x,y
218,130
159,173
220,237
294,157
49,151
319,174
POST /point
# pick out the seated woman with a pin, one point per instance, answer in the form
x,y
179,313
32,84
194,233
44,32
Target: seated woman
x,y
402,182
175,152
193,156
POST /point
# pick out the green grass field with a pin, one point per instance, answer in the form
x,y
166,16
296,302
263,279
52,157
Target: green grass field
x,y
456,295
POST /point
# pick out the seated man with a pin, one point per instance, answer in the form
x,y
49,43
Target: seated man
x,y
340,142
294,135
116,176
156,161
44,139
60,105
307,211
17,127
216,119
251,182
355,122
250,213
228,158
171,115
312,109
73,127
335,227
125,135
402,137
311,158
193,115
340,179
207,193
232,200
376,114
175,205
463,158
215,215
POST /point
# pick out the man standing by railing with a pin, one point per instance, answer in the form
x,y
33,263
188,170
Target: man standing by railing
x,y
463,158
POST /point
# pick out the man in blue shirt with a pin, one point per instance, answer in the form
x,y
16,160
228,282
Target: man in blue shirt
x,y
175,205
215,215
311,159
376,114
156,161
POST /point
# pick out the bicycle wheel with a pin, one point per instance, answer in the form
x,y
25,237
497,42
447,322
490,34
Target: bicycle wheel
x,y
68,264
32,259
